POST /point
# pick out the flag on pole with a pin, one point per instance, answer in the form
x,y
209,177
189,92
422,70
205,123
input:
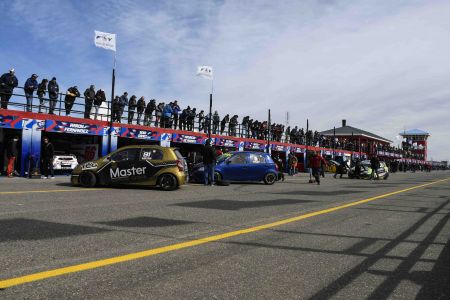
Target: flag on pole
x,y
105,40
205,72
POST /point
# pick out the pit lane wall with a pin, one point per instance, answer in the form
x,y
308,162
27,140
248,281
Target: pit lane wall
x,y
34,126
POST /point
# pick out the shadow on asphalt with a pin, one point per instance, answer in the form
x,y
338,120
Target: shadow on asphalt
x,y
237,205
28,229
319,193
145,222
434,283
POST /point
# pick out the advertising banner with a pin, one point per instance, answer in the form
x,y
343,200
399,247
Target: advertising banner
x,y
13,122
141,134
73,128
165,139
187,138
276,147
254,146
227,143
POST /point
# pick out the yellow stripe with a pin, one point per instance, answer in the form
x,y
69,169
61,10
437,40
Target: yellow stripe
x,y
47,191
133,256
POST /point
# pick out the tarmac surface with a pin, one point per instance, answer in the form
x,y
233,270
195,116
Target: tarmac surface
x,y
243,241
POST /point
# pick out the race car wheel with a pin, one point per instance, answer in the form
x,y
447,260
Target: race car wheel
x,y
386,176
270,178
167,182
88,179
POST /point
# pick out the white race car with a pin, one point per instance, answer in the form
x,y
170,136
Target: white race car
x,y
64,161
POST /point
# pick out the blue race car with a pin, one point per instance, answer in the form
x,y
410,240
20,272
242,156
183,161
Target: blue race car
x,y
246,166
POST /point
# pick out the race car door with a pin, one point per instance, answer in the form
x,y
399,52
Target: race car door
x,y
236,168
149,163
121,168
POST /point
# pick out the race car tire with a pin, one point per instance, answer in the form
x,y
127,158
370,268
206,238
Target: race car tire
x,y
88,179
270,178
167,182
386,176
217,177
223,183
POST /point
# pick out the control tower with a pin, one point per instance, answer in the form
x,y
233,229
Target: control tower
x,y
416,142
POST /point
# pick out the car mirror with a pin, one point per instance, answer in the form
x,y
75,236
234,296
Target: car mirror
x,y
228,162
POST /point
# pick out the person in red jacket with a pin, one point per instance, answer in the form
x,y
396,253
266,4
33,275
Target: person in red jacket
x,y
316,162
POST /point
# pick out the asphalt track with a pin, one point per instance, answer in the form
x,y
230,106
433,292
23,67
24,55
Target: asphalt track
x,y
350,239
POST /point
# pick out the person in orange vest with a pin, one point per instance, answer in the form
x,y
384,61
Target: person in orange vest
x,y
316,162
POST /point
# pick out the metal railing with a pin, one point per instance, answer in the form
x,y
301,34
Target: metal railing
x,y
196,125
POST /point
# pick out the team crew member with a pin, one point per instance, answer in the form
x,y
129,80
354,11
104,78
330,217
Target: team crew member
x,y
374,165
47,159
316,162
11,154
209,160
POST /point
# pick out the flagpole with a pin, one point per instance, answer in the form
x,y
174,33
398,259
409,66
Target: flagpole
x,y
210,109
111,109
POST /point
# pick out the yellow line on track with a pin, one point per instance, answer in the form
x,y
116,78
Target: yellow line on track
x,y
137,255
47,191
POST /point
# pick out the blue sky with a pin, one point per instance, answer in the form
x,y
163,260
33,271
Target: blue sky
x,y
382,65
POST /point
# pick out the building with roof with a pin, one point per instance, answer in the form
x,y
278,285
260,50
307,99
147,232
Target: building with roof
x,y
360,140
415,141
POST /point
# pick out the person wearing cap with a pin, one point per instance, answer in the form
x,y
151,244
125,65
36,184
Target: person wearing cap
x,y
30,86
53,92
69,100
8,82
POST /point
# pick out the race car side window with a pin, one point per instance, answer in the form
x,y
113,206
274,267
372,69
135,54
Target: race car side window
x,y
238,159
151,154
125,155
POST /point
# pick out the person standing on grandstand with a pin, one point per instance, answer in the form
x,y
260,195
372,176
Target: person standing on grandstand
x,y
140,109
123,101
216,122
191,119
8,82
30,86
100,97
149,109
53,92
223,123
89,97
167,115
69,100
42,87
201,120
232,125
176,111
132,104
159,112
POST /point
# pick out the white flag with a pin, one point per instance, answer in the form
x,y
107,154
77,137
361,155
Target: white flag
x,y
205,72
105,40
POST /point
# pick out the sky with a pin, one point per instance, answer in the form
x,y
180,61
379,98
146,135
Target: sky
x,y
382,65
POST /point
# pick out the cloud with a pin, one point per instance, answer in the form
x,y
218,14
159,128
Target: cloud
x,y
380,65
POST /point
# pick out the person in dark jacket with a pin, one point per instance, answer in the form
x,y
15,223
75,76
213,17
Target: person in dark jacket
x,y
123,101
374,165
12,151
42,88
47,159
8,82
149,109
159,113
132,104
209,160
89,98
176,112
69,100
183,117
201,120
116,109
53,92
223,123
140,109
100,97
216,122
232,126
31,85
190,119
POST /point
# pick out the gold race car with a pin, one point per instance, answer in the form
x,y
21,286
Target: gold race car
x,y
140,165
